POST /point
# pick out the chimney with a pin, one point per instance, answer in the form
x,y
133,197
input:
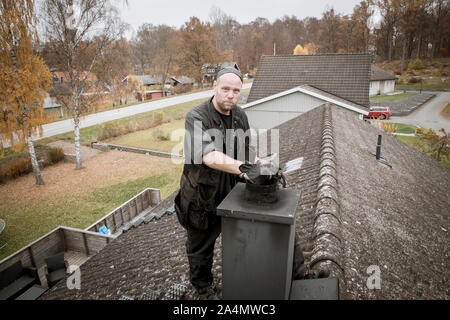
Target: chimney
x,y
258,242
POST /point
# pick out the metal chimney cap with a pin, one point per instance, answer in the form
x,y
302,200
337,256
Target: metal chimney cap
x,y
235,205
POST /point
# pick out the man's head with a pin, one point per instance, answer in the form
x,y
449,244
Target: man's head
x,y
227,89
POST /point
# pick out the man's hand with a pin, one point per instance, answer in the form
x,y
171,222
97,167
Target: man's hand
x,y
252,173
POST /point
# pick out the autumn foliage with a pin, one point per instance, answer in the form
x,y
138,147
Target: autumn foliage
x,y
24,77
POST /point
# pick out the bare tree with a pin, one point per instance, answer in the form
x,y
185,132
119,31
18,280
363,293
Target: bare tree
x,y
79,31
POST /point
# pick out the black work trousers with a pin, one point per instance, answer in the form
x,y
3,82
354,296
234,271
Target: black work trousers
x,y
200,252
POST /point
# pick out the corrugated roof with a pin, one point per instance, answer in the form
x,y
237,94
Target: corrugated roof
x,y
343,75
354,213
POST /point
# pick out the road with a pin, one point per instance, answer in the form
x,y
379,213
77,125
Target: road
x,y
63,126
428,115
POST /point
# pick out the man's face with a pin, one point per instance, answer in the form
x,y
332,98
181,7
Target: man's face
x,y
227,91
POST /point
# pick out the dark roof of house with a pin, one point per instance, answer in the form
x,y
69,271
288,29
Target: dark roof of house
x,y
343,75
377,74
354,212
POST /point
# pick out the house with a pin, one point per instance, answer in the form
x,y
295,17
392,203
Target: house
x,y
182,80
355,214
286,86
381,81
151,86
52,106
210,70
63,76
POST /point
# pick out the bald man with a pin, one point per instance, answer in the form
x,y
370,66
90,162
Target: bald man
x,y
217,155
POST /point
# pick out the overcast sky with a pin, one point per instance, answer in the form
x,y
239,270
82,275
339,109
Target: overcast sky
x,y
177,12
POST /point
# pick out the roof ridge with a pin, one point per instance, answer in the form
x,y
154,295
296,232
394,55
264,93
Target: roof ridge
x,y
327,250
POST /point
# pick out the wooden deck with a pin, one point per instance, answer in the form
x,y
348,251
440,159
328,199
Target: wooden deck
x,y
72,257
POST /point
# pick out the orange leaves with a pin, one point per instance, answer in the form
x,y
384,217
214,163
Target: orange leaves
x,y
24,78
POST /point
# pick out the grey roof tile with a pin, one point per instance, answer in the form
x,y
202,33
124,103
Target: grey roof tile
x,y
343,75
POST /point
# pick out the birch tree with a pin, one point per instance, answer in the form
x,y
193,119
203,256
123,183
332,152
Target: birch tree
x,y
24,78
80,31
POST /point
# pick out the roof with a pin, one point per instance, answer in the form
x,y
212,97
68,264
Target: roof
x,y
343,75
315,93
354,212
183,80
377,74
63,76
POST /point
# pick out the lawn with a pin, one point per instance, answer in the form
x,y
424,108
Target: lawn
x,y
78,198
394,96
404,128
151,138
428,84
89,134
424,146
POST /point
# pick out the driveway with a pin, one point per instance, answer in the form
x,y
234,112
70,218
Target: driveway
x,y
428,115
64,126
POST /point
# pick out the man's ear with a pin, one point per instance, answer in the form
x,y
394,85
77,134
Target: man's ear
x,y
215,84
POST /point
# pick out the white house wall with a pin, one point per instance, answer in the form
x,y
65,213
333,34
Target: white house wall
x,y
271,113
375,87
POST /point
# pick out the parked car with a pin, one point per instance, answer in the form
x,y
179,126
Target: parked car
x,y
382,112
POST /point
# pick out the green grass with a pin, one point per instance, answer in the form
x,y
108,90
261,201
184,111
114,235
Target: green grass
x,y
146,139
405,128
394,97
428,84
27,222
89,134
424,146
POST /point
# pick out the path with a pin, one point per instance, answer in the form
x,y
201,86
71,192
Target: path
x,y
55,128
428,115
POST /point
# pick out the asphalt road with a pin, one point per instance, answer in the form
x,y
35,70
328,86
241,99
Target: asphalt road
x,y
63,126
428,115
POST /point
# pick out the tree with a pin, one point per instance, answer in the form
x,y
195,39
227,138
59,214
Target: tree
x,y
330,31
80,31
197,47
24,79
438,143
361,16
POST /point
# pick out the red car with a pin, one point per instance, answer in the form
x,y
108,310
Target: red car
x,y
382,112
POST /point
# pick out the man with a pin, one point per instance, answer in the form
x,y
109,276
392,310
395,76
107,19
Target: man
x,y
215,159
218,154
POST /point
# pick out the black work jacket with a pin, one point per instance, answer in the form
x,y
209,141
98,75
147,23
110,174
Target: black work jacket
x,y
199,183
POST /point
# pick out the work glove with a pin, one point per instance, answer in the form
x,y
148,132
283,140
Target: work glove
x,y
252,173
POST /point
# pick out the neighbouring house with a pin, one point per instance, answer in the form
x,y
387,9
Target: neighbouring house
x,y
381,81
52,106
286,86
210,70
63,76
151,86
182,80
355,215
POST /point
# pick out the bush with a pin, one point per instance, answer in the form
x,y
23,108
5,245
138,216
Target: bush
x,y
55,155
413,80
161,135
415,65
158,118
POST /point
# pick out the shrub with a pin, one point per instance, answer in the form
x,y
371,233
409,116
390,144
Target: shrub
x,y
161,135
415,65
413,80
55,155
158,118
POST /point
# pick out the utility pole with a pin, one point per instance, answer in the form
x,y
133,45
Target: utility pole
x,y
274,49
